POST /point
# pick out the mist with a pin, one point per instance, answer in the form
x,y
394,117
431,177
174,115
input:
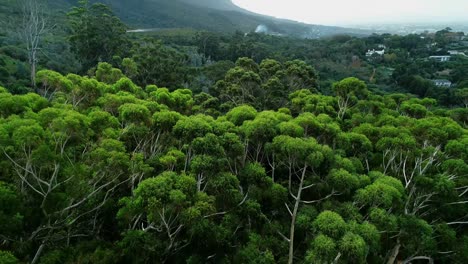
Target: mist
x,y
342,13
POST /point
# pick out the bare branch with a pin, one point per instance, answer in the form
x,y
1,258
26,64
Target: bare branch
x,y
215,214
283,236
34,26
462,202
308,186
458,223
289,210
429,259
324,198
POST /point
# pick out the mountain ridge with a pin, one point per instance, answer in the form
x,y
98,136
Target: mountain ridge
x,y
212,15
216,4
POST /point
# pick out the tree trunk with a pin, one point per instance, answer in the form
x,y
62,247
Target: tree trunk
x,y
337,258
394,253
33,28
294,216
429,259
33,74
38,253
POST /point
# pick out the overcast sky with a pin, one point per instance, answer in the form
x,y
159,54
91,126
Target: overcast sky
x,y
343,12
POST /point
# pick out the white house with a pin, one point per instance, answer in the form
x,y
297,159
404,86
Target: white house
x,y
456,52
370,53
382,46
442,83
440,58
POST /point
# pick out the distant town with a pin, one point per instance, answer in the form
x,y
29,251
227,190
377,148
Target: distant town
x,y
413,28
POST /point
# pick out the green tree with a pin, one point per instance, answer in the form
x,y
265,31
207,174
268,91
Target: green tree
x,y
304,158
97,34
348,91
209,44
462,95
7,258
10,213
159,65
240,86
169,202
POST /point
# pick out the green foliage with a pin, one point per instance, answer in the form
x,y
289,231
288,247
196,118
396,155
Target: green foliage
x,y
159,64
253,252
97,34
10,211
102,143
383,192
50,82
240,114
265,85
462,94
267,158
330,224
134,113
323,249
342,180
353,248
105,73
7,258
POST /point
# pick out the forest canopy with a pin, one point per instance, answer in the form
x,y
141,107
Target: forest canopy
x,y
183,147
122,173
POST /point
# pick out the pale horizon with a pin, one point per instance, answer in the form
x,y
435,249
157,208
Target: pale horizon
x,y
342,13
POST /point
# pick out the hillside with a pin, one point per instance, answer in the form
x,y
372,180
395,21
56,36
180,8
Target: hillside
x,y
211,15
215,4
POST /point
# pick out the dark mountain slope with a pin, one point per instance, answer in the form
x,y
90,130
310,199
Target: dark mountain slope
x,y
211,15
215,4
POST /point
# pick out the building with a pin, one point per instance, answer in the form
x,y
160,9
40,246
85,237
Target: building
x,y
442,83
440,58
456,52
382,46
370,53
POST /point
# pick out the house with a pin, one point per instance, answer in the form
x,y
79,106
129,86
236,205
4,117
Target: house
x,y
442,83
370,53
440,58
456,52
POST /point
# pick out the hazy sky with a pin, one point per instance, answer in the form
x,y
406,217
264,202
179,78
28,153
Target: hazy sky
x,y
342,12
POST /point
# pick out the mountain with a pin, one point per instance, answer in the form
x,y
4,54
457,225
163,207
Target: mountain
x,y
211,15
215,4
